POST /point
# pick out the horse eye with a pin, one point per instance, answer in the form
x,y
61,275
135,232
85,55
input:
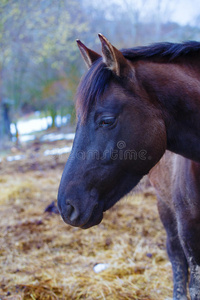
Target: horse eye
x,y
107,121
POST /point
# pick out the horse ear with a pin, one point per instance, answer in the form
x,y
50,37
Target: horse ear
x,y
112,57
88,55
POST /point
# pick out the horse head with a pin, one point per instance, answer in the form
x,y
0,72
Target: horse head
x,y
120,136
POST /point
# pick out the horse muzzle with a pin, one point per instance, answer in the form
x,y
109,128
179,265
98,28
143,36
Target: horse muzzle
x,y
84,216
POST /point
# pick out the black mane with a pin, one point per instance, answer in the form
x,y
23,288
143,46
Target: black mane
x,y
162,50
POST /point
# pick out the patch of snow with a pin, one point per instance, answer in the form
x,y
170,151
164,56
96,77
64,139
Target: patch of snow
x,y
58,151
39,124
26,137
100,267
15,157
57,137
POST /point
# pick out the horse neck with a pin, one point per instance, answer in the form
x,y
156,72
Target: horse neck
x,y
175,90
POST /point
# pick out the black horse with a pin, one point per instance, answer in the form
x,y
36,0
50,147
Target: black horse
x,y
132,106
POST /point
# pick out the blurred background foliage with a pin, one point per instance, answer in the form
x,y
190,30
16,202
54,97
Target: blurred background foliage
x,y
40,65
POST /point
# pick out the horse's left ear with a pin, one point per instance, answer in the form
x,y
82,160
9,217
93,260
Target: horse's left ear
x,y
112,57
89,56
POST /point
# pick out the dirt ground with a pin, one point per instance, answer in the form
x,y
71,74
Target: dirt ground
x,y
43,258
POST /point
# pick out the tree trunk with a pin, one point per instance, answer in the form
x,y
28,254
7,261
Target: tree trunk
x,y
1,127
6,119
16,135
53,114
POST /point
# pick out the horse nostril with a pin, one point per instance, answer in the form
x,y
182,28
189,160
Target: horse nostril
x,y
69,209
72,212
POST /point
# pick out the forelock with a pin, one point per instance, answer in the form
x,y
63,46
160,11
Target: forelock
x,y
91,87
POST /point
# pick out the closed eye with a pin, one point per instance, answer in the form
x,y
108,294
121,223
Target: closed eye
x,y
107,121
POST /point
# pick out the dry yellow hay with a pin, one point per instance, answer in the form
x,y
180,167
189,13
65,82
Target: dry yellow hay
x,y
43,258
